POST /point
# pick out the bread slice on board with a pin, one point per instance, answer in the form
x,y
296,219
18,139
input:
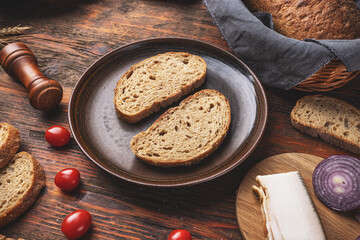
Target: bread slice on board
x,y
335,121
9,142
157,82
21,181
185,134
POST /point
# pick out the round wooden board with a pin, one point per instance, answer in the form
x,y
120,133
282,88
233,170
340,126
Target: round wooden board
x,y
336,225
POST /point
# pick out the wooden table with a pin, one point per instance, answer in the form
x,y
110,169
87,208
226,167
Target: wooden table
x,y
67,36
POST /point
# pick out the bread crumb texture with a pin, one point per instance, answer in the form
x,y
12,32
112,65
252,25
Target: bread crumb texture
x,y
4,136
185,134
2,237
157,82
327,116
3,133
9,142
21,181
301,19
15,181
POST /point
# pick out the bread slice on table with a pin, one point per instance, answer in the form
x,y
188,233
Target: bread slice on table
x,y
9,142
335,121
2,237
185,134
157,82
21,181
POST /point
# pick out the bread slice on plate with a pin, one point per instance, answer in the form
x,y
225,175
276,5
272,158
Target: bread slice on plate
x,y
335,121
9,142
185,134
21,181
157,82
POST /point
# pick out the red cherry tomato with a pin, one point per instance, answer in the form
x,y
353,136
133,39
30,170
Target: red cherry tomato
x,y
76,224
57,136
67,179
179,234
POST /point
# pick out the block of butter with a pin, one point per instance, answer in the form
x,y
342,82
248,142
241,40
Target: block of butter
x,y
287,208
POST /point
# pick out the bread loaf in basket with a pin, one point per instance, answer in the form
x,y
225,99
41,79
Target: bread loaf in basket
x,y
323,19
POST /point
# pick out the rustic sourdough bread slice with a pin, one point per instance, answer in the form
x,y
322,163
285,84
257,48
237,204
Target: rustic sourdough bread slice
x,y
2,237
186,134
333,120
21,181
157,82
9,142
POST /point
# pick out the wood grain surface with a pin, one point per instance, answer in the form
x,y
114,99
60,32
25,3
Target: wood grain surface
x,y
67,37
336,225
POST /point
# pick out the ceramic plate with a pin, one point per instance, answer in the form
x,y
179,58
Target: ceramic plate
x,y
105,139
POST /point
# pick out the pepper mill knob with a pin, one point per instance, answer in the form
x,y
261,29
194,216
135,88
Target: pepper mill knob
x,y
20,63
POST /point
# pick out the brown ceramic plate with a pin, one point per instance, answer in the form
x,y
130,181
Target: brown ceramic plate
x,y
105,139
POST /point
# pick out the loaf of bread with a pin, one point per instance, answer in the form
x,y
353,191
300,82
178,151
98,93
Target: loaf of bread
x,y
2,237
331,119
9,142
322,19
21,181
185,134
157,82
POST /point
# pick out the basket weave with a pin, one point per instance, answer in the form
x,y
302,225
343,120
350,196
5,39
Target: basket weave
x,y
331,76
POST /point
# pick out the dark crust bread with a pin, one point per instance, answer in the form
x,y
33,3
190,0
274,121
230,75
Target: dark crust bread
x,y
301,19
316,132
38,183
329,138
11,144
188,161
156,106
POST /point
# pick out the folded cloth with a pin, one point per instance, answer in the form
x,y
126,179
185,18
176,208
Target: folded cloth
x,y
278,61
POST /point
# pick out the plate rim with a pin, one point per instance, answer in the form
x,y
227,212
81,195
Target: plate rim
x,y
260,129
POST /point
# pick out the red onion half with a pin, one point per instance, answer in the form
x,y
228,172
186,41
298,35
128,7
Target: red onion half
x,y
336,182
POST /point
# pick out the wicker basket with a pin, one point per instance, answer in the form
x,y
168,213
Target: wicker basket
x,y
331,76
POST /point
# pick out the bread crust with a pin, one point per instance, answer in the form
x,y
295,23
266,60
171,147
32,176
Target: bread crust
x,y
10,145
323,133
189,160
157,105
27,199
301,19
2,237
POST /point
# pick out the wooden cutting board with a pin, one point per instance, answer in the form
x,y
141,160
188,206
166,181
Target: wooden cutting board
x,y
337,225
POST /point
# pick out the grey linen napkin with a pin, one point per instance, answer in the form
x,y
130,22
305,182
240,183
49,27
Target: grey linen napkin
x,y
278,61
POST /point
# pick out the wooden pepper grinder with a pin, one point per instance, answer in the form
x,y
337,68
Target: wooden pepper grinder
x,y
20,63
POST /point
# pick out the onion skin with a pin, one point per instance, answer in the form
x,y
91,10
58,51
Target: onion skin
x,y
336,182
